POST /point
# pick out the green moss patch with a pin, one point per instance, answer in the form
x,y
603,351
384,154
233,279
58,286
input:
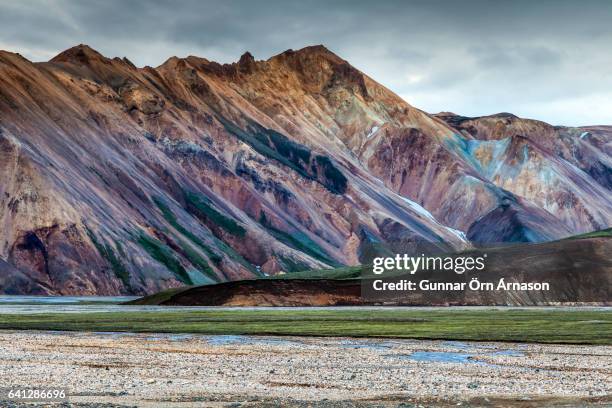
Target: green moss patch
x,y
164,255
202,208
197,260
292,265
172,220
107,252
298,240
605,233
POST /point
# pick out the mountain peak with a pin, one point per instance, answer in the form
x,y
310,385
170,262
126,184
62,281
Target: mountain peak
x,y
246,63
309,51
246,58
320,69
507,115
319,48
81,54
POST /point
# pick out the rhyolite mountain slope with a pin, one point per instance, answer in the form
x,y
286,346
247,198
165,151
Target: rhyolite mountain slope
x,y
117,179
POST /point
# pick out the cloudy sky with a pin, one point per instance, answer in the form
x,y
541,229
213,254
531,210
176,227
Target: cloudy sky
x,y
549,60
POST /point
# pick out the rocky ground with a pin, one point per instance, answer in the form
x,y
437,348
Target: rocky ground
x,y
115,369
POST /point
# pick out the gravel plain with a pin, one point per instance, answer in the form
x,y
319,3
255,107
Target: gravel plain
x,y
121,369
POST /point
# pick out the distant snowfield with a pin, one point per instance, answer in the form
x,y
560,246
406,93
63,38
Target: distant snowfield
x,y
372,132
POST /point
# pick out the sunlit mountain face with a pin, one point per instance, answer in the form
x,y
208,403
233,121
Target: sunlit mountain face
x,y
116,179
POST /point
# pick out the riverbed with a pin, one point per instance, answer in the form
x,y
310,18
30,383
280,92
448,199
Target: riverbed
x,y
200,370
100,304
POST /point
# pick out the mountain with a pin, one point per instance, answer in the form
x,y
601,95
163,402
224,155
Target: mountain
x,y
116,179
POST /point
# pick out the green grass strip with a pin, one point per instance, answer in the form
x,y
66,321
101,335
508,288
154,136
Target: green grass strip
x,y
512,325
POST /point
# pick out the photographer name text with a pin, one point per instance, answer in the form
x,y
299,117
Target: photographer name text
x,y
474,284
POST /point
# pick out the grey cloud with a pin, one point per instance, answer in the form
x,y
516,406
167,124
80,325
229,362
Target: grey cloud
x,y
521,56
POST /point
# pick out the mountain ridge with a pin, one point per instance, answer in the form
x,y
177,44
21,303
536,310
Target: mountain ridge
x,y
137,179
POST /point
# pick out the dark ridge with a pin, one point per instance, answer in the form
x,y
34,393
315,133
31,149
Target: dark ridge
x,y
452,119
279,147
